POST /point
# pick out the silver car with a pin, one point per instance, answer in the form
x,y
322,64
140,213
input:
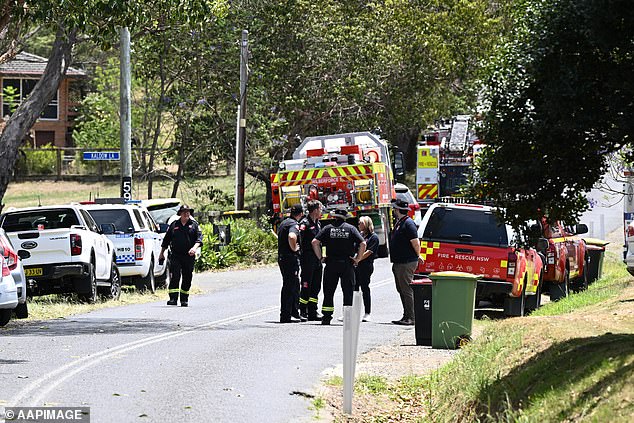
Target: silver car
x,y
14,263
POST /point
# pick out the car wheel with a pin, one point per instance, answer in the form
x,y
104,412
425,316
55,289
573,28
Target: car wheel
x,y
5,316
22,311
90,280
560,290
113,292
147,283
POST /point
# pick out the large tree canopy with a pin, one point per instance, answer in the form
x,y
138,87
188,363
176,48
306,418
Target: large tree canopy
x,y
560,98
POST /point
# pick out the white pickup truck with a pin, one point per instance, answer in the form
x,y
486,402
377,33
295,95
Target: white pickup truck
x,y
63,251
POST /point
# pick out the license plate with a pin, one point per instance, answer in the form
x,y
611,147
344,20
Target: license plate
x,y
34,271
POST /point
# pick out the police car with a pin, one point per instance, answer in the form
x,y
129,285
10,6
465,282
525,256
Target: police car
x,y
137,241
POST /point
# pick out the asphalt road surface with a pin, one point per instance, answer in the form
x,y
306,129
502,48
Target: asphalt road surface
x,y
223,359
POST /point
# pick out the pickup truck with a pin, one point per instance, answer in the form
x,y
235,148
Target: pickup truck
x,y
567,263
470,238
63,251
137,241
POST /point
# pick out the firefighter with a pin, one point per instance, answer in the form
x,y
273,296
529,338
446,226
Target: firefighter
x,y
288,260
404,253
312,270
183,237
340,239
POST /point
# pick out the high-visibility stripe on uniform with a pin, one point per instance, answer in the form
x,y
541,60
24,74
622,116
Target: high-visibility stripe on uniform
x,y
313,300
303,301
173,291
184,292
327,309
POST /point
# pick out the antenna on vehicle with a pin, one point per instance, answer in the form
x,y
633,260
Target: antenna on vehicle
x,y
39,200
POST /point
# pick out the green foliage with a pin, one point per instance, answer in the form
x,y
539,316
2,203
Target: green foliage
x,y
557,102
41,161
249,245
11,97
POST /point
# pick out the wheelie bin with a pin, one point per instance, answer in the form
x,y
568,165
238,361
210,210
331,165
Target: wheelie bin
x,y
453,297
595,249
422,310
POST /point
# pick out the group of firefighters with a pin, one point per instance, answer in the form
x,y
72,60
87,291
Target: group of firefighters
x,y
350,254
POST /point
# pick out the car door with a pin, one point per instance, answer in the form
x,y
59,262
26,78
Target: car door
x,y
156,237
102,251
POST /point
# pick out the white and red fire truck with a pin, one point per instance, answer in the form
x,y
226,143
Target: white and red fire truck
x,y
445,159
344,171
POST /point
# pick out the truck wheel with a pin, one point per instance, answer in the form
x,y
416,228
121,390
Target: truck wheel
x,y
89,284
113,292
22,311
147,283
516,306
5,316
533,302
560,290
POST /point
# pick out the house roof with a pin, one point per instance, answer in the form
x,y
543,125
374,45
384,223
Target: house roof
x,y
31,64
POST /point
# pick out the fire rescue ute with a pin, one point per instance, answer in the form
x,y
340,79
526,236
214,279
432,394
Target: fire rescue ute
x,y
470,238
344,171
445,160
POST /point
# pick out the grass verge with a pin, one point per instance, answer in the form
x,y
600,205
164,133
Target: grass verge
x,y
571,361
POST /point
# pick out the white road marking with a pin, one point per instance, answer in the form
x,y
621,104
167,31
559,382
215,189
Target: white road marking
x,y
62,374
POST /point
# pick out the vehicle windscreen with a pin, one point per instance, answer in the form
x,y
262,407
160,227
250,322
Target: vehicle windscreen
x,y
161,213
39,220
465,226
118,217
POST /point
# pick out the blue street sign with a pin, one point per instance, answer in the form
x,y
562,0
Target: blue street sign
x,y
101,155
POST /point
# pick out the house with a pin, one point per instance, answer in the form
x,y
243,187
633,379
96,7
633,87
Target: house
x,y
56,123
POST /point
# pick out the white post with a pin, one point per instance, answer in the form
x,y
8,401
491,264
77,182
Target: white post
x,y
351,323
601,226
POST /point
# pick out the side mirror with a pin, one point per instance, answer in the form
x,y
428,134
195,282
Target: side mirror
x,y
162,228
107,228
542,245
399,165
581,228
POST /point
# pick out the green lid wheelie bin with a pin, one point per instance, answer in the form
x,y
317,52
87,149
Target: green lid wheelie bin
x,y
453,297
595,249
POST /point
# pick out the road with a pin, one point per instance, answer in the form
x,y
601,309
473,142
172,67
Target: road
x,y
223,359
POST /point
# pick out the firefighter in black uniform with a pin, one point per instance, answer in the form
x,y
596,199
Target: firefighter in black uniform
x,y
288,260
309,227
183,237
340,239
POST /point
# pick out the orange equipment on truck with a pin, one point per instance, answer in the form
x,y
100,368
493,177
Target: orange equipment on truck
x,y
445,160
344,171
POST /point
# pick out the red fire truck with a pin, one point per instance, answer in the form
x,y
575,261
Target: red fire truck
x,y
344,171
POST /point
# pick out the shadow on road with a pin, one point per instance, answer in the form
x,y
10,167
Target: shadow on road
x,y
96,326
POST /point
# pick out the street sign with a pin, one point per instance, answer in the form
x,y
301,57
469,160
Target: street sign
x,y
101,155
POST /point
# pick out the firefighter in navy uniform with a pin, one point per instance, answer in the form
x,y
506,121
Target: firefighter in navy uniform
x,y
288,260
312,270
341,240
183,237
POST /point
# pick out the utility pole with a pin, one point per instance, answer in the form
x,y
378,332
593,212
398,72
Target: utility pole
x,y
242,121
125,125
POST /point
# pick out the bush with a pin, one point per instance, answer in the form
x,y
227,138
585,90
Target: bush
x,y
249,245
41,161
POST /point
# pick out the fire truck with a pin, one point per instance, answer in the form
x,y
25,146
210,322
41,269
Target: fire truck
x,y
445,158
344,171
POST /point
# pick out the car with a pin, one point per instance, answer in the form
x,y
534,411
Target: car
x,y
404,193
8,293
137,241
470,238
64,251
14,262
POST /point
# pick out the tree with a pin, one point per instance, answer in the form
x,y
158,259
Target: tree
x,y
559,100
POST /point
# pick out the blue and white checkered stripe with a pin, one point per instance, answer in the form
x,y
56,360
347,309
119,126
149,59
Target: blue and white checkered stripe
x,y
125,258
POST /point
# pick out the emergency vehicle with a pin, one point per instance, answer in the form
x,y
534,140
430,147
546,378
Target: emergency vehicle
x,y
344,171
445,158
469,238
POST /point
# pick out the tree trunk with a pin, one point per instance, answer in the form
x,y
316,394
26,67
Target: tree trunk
x,y
23,119
266,178
406,142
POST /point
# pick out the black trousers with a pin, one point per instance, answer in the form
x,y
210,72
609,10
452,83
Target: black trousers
x,y
337,269
311,284
180,265
363,273
289,267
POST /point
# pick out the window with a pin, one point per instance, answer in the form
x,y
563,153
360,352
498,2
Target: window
x,y
465,226
139,219
118,217
21,88
36,219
